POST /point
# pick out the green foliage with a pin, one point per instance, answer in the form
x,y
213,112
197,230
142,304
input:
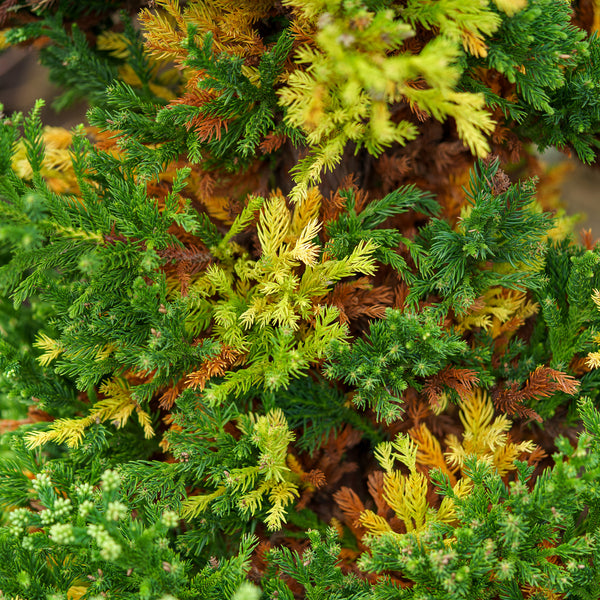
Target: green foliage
x,y
73,64
86,529
350,228
316,571
317,409
247,109
570,315
499,240
550,79
399,350
102,315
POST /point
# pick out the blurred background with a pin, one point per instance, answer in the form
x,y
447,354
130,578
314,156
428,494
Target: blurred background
x,y
23,80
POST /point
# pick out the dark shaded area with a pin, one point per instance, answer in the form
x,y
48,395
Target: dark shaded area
x,y
23,80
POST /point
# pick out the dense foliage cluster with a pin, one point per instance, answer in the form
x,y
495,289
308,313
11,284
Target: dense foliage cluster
x,y
276,323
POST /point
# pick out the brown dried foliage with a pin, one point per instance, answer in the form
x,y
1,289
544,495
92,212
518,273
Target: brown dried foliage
x,y
359,298
185,262
351,506
542,383
214,367
208,127
272,142
462,381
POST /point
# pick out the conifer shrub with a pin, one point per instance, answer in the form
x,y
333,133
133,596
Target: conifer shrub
x,y
296,312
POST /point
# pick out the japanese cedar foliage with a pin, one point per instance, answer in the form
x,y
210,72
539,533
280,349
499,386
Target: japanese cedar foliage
x,y
277,324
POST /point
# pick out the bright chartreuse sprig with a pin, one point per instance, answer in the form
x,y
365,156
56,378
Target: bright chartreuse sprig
x,y
357,69
593,358
245,488
271,309
485,436
467,22
116,406
406,495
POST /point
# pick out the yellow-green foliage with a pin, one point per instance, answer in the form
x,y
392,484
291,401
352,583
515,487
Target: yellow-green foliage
x,y
356,70
54,348
501,309
593,358
485,436
464,22
117,406
270,478
271,308
407,495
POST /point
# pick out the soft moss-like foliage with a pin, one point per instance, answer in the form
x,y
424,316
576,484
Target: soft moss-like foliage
x,y
289,316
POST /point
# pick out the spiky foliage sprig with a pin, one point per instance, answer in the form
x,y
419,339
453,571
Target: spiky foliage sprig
x,y
316,571
566,301
483,251
226,99
496,543
399,350
85,243
69,56
247,486
358,224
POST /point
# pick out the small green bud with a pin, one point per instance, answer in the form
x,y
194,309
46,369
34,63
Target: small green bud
x,y
85,508
85,489
62,508
170,519
62,533
111,480
110,550
41,481
27,543
247,591
115,511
